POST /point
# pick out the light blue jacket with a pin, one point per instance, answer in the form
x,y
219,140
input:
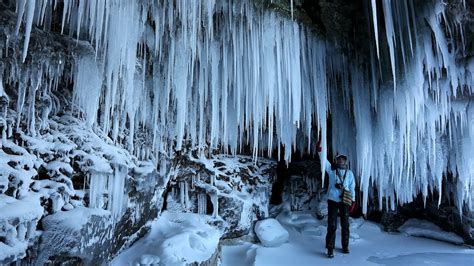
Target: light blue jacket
x,y
334,194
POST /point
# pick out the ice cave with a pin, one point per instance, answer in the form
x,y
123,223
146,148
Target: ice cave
x,y
212,132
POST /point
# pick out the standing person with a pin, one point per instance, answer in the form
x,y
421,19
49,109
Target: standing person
x,y
341,200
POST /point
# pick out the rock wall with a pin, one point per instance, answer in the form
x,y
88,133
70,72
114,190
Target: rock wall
x,y
443,212
234,189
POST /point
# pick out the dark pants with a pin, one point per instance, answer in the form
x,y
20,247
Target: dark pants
x,y
335,208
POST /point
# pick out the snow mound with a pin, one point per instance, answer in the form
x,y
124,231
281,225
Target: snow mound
x,y
174,239
271,233
420,228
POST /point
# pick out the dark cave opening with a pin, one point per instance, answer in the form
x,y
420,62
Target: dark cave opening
x,y
209,205
301,179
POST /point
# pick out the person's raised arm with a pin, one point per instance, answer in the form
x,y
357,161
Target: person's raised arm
x,y
352,190
352,186
324,161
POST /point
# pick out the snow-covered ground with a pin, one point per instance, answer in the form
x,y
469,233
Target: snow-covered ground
x,y
174,239
369,245
183,238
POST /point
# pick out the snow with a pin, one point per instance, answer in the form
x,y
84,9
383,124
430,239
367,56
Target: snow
x,y
74,219
174,239
18,220
271,233
369,245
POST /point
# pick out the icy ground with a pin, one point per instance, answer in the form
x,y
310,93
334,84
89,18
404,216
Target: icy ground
x,y
180,238
369,245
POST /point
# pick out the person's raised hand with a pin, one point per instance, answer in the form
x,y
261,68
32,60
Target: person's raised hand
x,y
318,145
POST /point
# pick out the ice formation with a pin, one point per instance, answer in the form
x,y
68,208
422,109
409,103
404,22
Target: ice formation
x,y
223,74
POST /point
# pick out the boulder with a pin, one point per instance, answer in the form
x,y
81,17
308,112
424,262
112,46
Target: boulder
x,y
271,233
423,228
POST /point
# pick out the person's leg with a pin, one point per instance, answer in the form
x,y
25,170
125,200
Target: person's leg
x,y
344,215
332,225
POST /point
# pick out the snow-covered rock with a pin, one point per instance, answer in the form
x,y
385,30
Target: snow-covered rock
x,y
18,221
422,228
63,172
235,189
271,233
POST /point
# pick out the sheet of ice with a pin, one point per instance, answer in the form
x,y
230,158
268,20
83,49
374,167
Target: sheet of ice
x,y
369,245
174,239
271,233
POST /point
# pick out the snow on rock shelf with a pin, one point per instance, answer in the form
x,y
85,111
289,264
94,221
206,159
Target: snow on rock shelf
x,y
422,228
271,233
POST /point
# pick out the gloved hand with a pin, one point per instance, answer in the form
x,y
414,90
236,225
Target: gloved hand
x,y
351,209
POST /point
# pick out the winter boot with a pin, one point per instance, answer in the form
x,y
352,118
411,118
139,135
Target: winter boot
x,y
330,253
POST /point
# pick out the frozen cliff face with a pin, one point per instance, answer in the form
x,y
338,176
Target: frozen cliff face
x,y
225,74
151,80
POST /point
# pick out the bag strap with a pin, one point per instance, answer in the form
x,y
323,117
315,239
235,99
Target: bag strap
x,y
339,177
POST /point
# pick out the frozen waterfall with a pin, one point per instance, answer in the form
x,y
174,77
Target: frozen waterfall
x,y
173,74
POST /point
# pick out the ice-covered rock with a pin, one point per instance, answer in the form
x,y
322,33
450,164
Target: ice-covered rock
x,y
421,228
235,189
271,233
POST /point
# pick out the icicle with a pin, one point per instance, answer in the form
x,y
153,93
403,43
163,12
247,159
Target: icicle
x,y
20,10
202,203
291,5
215,204
97,187
30,12
116,186
182,191
389,31
186,196
263,83
375,23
